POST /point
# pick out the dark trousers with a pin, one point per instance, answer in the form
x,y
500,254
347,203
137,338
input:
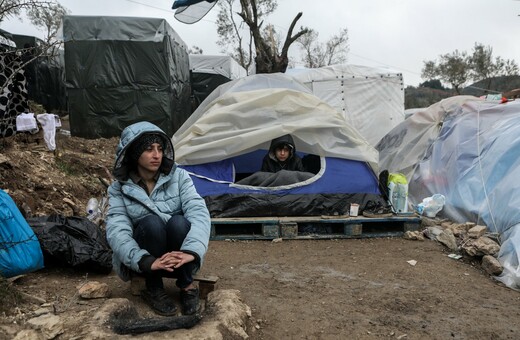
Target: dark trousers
x,y
158,238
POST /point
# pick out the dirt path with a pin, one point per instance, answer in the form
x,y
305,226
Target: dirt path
x,y
364,289
322,289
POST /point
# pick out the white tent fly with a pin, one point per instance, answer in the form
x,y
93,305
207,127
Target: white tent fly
x,y
371,99
246,114
207,72
467,149
216,64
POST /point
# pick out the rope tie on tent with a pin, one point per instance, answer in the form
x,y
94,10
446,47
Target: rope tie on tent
x,y
482,176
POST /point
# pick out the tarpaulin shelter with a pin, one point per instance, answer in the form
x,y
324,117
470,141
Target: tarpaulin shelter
x,y
223,143
45,73
371,99
121,70
210,71
467,149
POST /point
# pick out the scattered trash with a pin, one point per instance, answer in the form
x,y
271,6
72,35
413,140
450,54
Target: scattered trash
x,y
430,206
412,262
354,209
398,192
92,208
455,256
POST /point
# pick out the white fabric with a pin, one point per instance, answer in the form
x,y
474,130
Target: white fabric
x,y
216,64
48,123
371,99
26,122
246,114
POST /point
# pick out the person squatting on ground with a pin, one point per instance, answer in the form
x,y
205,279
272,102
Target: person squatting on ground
x,y
282,156
157,224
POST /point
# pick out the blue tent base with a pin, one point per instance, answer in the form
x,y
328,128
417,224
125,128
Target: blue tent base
x,y
313,227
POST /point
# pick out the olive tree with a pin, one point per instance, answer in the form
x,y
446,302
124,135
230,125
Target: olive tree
x,y
241,29
457,68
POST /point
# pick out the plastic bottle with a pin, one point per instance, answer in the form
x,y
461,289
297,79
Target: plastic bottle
x,y
92,206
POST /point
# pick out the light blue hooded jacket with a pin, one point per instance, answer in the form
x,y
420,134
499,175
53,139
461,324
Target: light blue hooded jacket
x,y
174,194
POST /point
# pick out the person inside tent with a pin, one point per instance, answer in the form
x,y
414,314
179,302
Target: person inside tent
x,y
282,156
157,224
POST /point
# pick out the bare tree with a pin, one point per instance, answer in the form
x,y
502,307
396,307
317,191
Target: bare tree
x,y
316,54
269,54
14,8
49,20
17,60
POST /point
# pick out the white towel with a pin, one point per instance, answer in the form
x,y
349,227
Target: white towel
x,y
26,122
48,123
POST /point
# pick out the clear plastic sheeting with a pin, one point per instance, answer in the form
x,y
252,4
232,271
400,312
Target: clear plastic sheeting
x,y
238,117
468,150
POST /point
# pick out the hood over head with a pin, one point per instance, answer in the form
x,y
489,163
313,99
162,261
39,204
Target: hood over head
x,y
134,140
280,142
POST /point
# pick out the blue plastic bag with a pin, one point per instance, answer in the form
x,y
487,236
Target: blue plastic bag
x,y
20,250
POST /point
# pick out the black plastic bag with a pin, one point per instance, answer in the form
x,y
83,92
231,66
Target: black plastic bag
x,y
73,241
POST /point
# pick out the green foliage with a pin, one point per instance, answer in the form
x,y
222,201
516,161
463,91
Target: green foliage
x,y
457,68
433,84
417,97
492,85
431,92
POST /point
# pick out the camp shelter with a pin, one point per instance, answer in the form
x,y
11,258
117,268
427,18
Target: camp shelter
x,y
207,72
467,149
45,73
13,97
223,142
121,70
371,99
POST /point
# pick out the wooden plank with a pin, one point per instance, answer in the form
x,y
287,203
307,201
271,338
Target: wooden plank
x,y
312,227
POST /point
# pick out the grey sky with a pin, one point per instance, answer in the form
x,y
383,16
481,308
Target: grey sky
x,y
398,34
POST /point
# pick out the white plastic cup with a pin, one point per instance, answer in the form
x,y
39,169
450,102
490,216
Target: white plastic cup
x,y
354,209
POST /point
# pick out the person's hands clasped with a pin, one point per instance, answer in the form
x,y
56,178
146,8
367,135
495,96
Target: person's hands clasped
x,y
172,260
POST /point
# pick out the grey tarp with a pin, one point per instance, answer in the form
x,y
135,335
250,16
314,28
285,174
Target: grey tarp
x,y
120,70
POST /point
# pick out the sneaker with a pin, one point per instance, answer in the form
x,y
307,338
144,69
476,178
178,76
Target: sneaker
x,y
190,301
159,301
376,209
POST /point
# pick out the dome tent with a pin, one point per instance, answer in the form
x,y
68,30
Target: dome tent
x,y
227,136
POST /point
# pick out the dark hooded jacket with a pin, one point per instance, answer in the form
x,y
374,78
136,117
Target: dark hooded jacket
x,y
292,163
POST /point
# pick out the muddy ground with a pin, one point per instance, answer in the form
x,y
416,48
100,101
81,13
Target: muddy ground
x,y
296,289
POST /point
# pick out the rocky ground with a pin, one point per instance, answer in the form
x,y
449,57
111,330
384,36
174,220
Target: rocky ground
x,y
306,289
